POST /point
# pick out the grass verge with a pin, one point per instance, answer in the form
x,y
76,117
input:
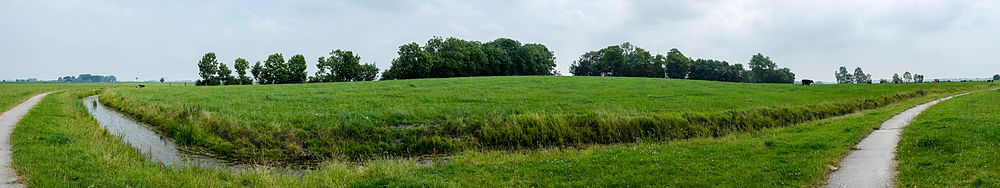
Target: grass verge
x,y
953,144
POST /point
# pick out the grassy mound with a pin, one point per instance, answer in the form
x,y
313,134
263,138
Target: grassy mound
x,y
429,116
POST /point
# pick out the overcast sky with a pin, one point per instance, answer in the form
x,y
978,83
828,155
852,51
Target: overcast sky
x,y
152,39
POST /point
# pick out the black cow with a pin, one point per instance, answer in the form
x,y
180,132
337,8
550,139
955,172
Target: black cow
x,y
807,82
140,86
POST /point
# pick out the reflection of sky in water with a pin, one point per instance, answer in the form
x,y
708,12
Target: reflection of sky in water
x,y
142,137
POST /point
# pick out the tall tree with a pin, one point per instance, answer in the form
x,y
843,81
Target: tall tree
x,y
241,66
258,73
275,70
411,63
368,72
896,79
843,77
297,69
907,77
918,78
996,77
226,75
861,77
341,66
208,68
678,65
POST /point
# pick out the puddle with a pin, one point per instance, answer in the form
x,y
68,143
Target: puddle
x,y
160,149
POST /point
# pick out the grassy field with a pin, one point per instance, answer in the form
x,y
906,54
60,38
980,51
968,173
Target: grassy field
x,y
59,145
429,116
12,94
953,144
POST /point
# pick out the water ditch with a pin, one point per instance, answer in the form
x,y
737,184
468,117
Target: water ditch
x,y
160,149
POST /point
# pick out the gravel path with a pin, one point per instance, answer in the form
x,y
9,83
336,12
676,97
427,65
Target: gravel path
x,y
872,163
8,120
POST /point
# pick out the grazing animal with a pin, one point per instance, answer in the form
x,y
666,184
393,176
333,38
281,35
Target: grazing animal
x,y
140,86
869,82
807,82
937,80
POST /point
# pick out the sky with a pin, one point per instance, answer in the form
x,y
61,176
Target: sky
x,y
147,40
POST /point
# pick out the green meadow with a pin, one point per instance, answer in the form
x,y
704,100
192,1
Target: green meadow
x,y
438,116
59,145
953,144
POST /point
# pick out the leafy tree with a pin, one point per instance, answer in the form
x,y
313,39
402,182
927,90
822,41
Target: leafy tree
x,y
907,77
619,60
918,78
896,79
258,72
368,72
162,80
241,66
763,70
843,77
226,75
343,66
996,77
297,69
861,77
588,65
411,63
537,60
275,70
678,65
208,68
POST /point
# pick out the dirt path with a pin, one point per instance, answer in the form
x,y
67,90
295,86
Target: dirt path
x,y
7,122
873,162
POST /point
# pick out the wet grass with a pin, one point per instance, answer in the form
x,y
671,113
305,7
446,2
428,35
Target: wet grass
x,y
59,145
953,144
433,116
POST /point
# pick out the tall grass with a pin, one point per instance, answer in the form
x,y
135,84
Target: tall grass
x,y
191,124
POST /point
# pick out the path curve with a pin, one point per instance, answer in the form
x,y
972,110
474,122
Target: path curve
x,y
8,120
872,163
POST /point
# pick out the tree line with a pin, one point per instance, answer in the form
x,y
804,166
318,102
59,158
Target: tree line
x,y
452,57
341,66
438,58
859,76
88,78
627,60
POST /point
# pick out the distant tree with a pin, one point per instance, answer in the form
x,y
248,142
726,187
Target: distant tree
x,y
241,66
411,63
258,72
907,77
918,78
678,65
843,77
226,75
343,66
275,70
861,77
763,70
208,68
996,77
297,69
368,72
896,79
162,80
619,60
